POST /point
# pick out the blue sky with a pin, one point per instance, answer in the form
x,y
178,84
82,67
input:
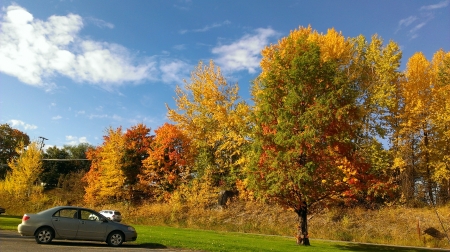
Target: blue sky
x,y
71,69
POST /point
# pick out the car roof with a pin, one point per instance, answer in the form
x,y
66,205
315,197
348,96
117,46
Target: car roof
x,y
56,208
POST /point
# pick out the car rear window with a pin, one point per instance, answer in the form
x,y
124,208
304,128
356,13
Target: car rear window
x,y
117,213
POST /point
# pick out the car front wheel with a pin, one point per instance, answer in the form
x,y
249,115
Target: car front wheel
x,y
115,239
44,235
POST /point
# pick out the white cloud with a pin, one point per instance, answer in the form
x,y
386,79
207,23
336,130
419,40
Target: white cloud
x,y
244,54
34,51
56,117
21,124
73,140
81,112
174,71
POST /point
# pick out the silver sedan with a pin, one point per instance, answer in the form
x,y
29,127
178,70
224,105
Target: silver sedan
x,y
74,223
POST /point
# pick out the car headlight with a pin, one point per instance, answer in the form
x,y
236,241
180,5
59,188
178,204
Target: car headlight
x,y
131,229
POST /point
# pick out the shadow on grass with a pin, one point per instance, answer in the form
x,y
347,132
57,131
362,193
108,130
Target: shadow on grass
x,y
151,245
103,245
376,248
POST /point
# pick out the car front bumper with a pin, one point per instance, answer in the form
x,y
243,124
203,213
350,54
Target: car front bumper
x,y
130,236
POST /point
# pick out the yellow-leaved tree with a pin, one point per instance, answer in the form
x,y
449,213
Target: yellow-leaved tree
x,y
22,180
424,127
440,150
211,114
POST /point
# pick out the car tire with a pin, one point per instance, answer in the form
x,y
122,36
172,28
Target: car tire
x,y
115,239
44,235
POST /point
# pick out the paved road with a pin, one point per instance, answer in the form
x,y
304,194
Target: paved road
x,y
11,241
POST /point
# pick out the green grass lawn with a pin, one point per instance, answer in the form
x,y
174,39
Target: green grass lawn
x,y
169,237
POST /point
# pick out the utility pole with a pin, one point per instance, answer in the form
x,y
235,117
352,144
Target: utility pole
x,y
42,142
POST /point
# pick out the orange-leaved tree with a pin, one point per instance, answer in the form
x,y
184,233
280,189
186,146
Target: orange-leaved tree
x,y
138,141
168,162
106,177
306,119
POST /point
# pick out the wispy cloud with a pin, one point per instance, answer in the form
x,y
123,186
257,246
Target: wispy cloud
x,y
99,23
183,5
97,116
53,47
207,27
20,124
416,22
105,116
56,117
440,5
407,21
244,54
179,47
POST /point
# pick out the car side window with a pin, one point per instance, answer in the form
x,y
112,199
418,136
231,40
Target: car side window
x,y
66,213
87,215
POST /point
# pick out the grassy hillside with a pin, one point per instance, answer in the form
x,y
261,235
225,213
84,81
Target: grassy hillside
x,y
387,225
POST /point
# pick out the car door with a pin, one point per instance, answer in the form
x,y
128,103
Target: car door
x,y
91,228
66,222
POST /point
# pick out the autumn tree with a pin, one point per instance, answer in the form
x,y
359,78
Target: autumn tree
x,y
306,120
441,120
168,162
10,139
106,177
116,164
209,111
423,140
138,141
374,70
25,170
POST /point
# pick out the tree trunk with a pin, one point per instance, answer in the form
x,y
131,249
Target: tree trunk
x,y
302,230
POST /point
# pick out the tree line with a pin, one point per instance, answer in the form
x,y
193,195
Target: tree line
x,y
332,119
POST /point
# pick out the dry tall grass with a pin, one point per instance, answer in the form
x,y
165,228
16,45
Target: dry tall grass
x,y
388,225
